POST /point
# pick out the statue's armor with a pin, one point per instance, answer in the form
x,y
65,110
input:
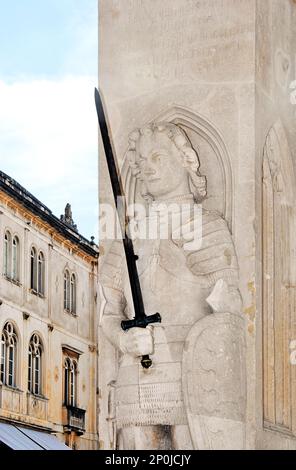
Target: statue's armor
x,y
176,286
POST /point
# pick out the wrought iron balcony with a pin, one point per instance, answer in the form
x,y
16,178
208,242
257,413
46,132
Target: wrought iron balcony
x,y
74,419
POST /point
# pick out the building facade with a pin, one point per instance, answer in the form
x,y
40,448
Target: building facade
x,y
48,321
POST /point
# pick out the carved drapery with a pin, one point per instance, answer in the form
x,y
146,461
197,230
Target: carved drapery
x,y
279,282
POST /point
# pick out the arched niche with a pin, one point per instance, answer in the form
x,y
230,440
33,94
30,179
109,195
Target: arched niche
x,y
278,281
214,161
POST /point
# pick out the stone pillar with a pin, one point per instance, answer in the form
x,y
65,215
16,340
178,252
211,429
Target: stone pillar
x,y
222,70
275,153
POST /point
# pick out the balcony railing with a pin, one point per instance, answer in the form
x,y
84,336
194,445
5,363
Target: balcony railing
x,y
74,419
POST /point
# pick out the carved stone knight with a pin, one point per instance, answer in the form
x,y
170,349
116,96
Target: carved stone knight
x,y
193,395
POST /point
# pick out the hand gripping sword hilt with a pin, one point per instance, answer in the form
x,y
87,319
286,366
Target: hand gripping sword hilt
x,y
142,322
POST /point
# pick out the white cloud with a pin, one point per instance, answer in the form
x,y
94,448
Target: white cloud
x,y
48,140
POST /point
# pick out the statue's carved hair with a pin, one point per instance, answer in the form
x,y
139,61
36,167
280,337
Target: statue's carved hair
x,y
181,141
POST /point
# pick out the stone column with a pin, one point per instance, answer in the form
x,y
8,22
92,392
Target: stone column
x,y
222,70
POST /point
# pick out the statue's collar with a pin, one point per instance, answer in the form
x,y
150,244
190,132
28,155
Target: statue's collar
x,y
179,200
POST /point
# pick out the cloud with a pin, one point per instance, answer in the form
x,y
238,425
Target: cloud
x,y
48,142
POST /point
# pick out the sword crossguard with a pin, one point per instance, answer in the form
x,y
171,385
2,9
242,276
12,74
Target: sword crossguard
x,y
146,362
140,322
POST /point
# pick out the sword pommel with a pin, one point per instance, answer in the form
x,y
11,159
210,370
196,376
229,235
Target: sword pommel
x,y
146,362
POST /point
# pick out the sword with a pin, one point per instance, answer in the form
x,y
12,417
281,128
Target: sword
x,y
141,320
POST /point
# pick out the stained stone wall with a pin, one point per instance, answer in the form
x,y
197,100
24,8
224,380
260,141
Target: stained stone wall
x,y
58,329
222,70
275,222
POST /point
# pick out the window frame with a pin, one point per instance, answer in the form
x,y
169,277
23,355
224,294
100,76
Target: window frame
x,y
7,254
41,273
70,377
70,292
15,259
9,354
33,269
37,272
73,293
35,356
67,290
11,256
3,356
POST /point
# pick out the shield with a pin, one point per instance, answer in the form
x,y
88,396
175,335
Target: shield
x,y
214,382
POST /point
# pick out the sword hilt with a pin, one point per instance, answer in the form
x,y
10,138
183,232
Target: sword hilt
x,y
142,322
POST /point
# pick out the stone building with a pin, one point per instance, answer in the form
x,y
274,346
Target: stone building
x,y
48,292
224,72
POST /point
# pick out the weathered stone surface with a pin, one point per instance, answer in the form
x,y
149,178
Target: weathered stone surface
x,y
223,70
163,169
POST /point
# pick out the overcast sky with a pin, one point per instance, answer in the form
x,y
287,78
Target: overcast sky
x,y
48,124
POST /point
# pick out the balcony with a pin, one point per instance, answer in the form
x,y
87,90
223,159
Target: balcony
x,y
37,406
10,398
74,419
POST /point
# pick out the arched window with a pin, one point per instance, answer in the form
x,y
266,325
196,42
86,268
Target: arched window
x,y
278,282
33,269
70,382
8,355
15,258
11,263
70,291
67,290
37,272
35,365
41,273
7,254
3,359
73,294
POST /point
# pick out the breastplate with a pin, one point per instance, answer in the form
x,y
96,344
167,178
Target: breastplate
x,y
154,396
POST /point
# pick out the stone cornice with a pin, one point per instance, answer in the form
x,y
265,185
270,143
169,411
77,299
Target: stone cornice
x,y
18,198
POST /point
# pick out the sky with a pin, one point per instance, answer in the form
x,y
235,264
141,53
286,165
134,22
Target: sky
x,y
48,123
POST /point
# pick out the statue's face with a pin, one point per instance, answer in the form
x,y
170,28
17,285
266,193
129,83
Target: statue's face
x,y
161,166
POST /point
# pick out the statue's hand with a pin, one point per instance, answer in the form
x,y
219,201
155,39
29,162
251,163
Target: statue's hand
x,y
137,341
224,298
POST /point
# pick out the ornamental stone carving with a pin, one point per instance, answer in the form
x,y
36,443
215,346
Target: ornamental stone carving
x,y
193,397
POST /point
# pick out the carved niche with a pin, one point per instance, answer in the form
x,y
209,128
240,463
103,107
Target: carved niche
x,y
278,282
215,165
214,161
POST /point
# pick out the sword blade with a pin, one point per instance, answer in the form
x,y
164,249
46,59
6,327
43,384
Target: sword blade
x,y
118,192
